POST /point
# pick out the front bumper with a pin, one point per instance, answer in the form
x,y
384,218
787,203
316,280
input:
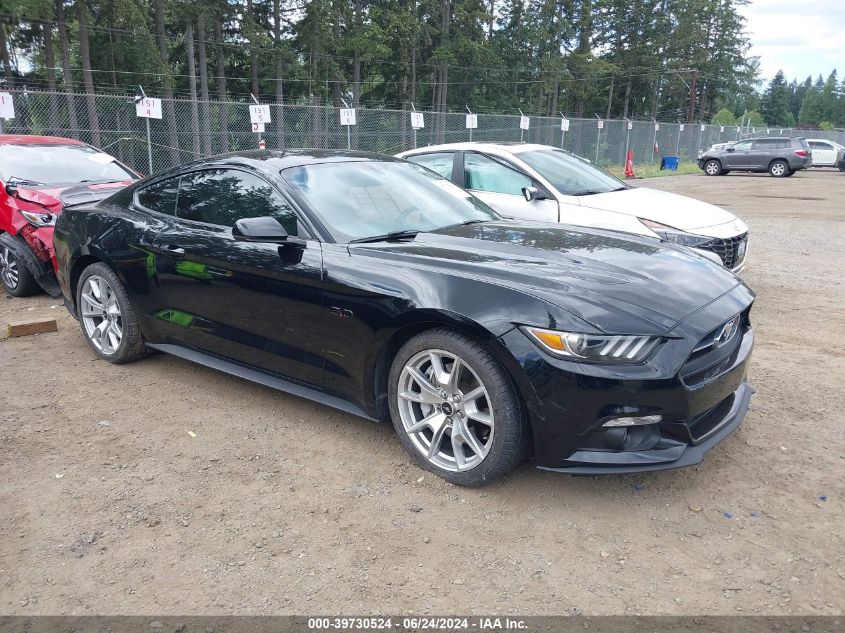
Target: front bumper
x,y
701,396
671,451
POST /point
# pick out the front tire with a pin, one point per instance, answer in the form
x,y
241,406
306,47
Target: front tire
x,y
455,409
106,316
17,280
713,168
779,168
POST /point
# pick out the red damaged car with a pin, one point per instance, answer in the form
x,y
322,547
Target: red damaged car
x,y
40,176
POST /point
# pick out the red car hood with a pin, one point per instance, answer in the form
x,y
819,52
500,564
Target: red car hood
x,y
51,198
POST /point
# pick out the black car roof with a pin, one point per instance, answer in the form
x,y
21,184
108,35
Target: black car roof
x,y
277,159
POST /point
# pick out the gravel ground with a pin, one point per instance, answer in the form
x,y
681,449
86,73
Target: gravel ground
x,y
167,488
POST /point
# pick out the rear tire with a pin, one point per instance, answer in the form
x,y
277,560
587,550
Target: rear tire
x,y
106,316
468,428
713,168
17,280
778,168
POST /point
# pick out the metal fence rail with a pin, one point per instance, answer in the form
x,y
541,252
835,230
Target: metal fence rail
x,y
192,129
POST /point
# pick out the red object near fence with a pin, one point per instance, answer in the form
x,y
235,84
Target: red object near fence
x,y
629,165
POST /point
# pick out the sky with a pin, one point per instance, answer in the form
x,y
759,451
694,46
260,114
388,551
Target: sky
x,y
801,37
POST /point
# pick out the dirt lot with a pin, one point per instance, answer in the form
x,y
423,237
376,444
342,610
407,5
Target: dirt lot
x,y
108,505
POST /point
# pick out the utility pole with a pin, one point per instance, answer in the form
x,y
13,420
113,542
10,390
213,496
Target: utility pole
x,y
691,113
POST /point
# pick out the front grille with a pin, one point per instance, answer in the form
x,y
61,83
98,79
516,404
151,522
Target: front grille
x,y
727,249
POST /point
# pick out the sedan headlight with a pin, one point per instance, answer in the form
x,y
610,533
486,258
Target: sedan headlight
x,y
39,219
594,347
676,236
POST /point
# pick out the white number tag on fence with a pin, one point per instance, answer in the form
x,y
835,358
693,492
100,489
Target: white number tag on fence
x,y
601,124
681,128
7,106
703,126
148,108
564,125
417,120
472,121
524,122
630,125
259,114
347,116
257,127
656,127
721,128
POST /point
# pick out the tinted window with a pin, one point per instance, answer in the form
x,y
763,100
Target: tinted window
x,y
224,196
766,143
440,162
820,145
357,199
486,174
160,196
742,146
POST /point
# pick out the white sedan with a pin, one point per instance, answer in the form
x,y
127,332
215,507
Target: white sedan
x,y
540,182
825,153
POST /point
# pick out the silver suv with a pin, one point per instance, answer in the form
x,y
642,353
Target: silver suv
x,y
780,156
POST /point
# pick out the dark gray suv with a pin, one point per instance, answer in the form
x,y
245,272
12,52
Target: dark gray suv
x,y
780,156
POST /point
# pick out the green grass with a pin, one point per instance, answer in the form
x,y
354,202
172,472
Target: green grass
x,y
653,171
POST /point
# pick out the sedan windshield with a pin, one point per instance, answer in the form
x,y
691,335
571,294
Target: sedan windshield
x,y
366,199
570,175
52,165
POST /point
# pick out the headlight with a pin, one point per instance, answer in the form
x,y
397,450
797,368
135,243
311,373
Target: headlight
x,y
671,234
594,347
39,219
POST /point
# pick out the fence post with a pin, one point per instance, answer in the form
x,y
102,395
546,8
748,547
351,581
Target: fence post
x,y
599,126
149,140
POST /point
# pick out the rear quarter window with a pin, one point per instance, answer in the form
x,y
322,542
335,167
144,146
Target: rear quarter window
x,y
160,196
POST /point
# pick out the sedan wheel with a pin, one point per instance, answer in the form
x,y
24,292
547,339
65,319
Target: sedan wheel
x,y
16,278
101,315
107,317
445,410
455,409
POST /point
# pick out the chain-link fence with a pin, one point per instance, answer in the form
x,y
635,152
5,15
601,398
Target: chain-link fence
x,y
192,129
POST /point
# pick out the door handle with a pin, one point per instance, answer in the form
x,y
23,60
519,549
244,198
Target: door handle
x,y
170,249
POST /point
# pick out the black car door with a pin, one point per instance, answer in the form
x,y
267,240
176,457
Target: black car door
x,y
255,303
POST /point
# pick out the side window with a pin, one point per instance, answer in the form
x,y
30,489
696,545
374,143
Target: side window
x,y
224,196
160,196
440,162
820,145
485,174
742,146
766,143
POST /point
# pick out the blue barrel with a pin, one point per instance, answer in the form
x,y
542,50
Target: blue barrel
x,y
670,163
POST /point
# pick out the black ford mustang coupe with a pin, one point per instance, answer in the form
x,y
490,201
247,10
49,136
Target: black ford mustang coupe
x,y
375,286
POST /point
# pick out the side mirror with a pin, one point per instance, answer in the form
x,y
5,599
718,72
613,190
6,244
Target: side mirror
x,y
265,229
532,193
11,189
730,149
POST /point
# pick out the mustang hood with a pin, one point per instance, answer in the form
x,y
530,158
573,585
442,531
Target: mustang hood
x,y
667,208
611,280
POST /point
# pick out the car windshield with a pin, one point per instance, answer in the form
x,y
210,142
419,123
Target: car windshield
x,y
52,165
366,199
570,175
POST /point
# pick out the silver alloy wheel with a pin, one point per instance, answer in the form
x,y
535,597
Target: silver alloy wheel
x,y
778,169
445,410
9,268
101,315
712,168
